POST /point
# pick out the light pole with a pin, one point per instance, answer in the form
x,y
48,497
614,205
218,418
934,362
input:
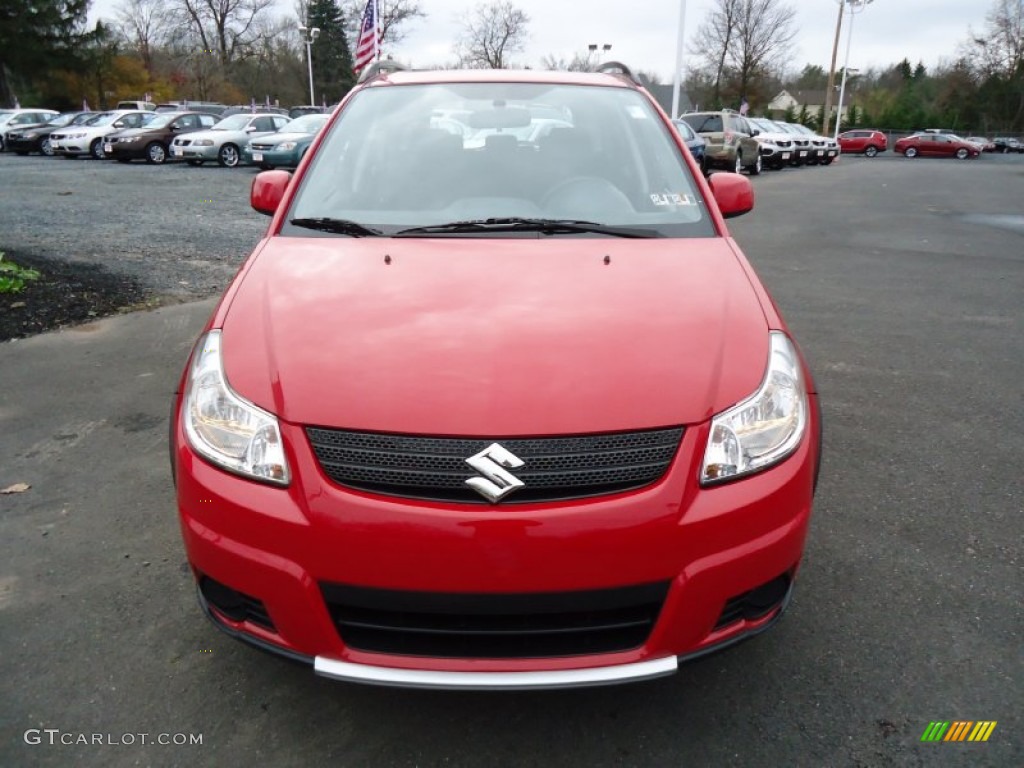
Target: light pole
x,y
677,76
314,33
842,91
592,49
832,73
855,7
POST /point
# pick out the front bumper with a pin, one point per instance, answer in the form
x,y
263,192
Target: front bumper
x,y
278,158
280,548
135,150
191,152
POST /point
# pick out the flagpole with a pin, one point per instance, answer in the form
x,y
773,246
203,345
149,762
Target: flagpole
x,y
376,30
676,80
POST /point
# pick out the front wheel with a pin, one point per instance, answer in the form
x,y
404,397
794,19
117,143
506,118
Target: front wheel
x,y
155,153
757,167
739,163
46,148
96,149
910,152
871,151
961,154
228,156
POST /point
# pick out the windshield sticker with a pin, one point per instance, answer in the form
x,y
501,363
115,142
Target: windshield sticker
x,y
671,198
636,112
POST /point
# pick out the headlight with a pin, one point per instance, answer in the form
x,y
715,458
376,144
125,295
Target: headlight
x,y
30,136
767,426
286,145
203,143
225,428
128,139
75,136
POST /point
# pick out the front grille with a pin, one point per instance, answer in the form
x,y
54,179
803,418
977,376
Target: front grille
x,y
495,626
182,142
263,147
554,469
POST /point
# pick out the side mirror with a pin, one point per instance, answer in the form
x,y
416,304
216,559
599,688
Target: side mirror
x,y
250,129
118,124
754,132
268,189
733,193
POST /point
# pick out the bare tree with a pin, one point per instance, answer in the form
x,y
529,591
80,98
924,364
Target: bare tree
x,y
491,34
393,15
580,62
999,50
144,24
227,29
745,40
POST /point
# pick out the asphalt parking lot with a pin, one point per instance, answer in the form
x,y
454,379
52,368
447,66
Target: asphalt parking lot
x,y
903,281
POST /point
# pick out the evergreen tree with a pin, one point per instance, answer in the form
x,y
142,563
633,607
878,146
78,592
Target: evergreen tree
x,y
36,37
332,58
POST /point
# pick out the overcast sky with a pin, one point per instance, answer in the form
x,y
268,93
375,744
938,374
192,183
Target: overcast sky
x,y
643,35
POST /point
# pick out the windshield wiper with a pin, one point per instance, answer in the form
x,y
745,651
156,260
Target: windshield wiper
x,y
337,226
521,224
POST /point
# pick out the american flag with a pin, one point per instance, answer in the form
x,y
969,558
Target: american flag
x,y
744,106
368,44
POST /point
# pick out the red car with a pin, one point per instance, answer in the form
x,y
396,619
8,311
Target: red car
x,y
869,143
500,414
936,145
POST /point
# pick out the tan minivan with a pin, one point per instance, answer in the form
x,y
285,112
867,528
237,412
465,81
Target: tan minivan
x,y
730,140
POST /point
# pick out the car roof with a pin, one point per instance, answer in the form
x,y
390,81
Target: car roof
x,y
414,77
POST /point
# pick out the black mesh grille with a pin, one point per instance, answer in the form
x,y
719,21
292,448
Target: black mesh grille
x,y
555,468
755,604
236,605
497,626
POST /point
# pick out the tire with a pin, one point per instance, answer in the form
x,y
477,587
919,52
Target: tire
x,y
871,151
228,156
194,163
156,154
827,161
46,148
910,152
266,167
962,154
96,149
757,167
739,163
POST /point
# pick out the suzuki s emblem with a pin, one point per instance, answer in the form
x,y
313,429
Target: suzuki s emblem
x,y
497,481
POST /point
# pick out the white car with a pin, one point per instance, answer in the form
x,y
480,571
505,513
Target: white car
x,y
777,146
225,140
824,149
11,119
87,139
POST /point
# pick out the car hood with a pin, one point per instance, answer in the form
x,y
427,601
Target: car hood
x,y
495,336
219,137
278,138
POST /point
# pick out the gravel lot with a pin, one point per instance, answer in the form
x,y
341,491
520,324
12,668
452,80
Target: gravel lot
x,y
176,231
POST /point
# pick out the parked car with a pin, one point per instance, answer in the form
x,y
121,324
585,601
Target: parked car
x,y
247,109
151,141
516,416
694,142
823,149
299,111
223,142
14,119
982,143
36,137
207,107
777,146
936,145
1006,144
87,138
730,140
143,106
861,141
286,148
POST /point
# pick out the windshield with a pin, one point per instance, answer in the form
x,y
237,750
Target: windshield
x,y
103,118
427,155
157,120
306,124
233,123
61,120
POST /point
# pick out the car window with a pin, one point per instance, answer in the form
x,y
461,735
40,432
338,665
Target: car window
x,y
280,122
207,121
705,123
187,121
385,166
263,124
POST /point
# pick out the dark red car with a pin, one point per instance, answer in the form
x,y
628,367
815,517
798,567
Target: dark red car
x,y
490,412
936,145
865,142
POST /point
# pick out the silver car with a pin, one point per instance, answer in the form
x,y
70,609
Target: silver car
x,y
224,141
